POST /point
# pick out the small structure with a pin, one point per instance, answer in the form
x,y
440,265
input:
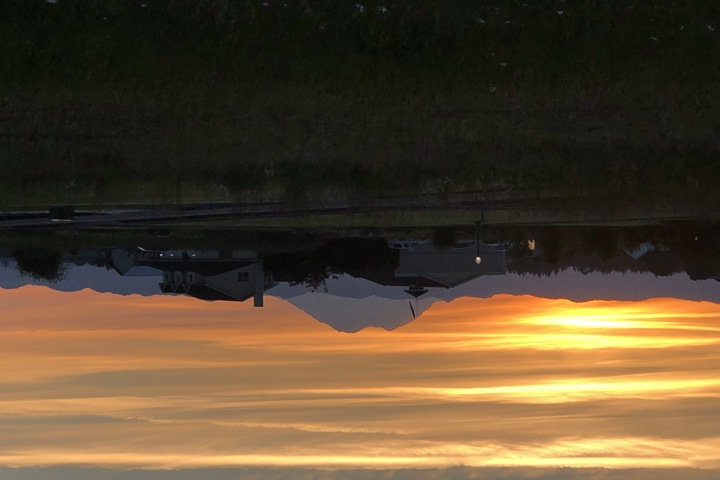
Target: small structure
x,y
423,265
62,213
208,282
640,250
452,266
204,274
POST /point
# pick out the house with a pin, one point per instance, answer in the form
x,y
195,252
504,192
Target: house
x,y
124,262
204,274
217,282
423,265
452,266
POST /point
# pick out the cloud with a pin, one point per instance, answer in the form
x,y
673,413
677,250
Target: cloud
x,y
457,473
105,383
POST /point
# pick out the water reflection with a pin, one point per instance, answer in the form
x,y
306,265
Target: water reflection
x,y
124,363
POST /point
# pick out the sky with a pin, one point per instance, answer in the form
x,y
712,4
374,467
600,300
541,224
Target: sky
x,y
508,386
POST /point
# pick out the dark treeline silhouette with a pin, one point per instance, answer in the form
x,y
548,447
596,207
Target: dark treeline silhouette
x,y
313,267
661,250
691,247
40,264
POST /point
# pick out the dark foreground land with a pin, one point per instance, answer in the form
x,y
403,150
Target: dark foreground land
x,y
175,101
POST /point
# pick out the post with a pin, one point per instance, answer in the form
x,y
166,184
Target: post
x,y
477,243
259,285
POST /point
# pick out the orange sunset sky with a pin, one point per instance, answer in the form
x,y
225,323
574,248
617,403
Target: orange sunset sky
x,y
176,383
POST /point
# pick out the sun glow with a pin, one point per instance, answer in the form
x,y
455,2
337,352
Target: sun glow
x,y
97,379
614,317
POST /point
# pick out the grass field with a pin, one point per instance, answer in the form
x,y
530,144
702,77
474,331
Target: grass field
x,y
107,102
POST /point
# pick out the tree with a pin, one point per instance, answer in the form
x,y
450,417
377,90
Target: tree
x,y
40,264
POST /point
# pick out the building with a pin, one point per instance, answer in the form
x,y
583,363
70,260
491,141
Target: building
x,y
204,274
424,266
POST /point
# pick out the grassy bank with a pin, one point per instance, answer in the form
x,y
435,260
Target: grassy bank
x,y
112,101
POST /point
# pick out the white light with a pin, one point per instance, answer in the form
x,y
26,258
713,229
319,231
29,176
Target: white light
x,y
478,260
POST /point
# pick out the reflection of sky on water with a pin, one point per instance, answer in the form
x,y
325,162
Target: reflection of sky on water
x,y
173,382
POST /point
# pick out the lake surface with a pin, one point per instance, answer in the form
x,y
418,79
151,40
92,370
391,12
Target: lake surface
x,y
404,358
